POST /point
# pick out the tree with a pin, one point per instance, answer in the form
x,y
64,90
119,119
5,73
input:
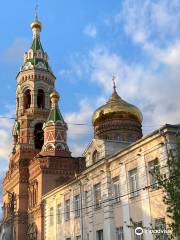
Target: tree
x,y
171,188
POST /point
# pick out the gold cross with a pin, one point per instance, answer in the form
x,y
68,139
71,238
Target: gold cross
x,y
36,10
114,82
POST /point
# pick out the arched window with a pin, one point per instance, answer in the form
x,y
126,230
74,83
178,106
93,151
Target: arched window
x,y
95,156
40,99
27,99
32,232
38,136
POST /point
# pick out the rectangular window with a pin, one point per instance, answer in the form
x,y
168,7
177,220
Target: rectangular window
x,y
153,167
116,189
77,205
67,209
133,182
87,236
161,225
78,237
68,238
99,235
119,233
58,212
86,199
51,213
137,237
97,195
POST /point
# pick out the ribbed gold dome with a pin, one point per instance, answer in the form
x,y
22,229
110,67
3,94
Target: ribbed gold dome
x,y
36,24
54,94
116,105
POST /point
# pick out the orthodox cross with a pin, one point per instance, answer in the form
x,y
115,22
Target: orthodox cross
x,y
114,82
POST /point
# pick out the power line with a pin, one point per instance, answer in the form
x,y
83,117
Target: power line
x,y
120,196
84,124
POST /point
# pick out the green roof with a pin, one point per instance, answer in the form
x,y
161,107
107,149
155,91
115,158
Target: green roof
x,y
35,61
55,115
36,44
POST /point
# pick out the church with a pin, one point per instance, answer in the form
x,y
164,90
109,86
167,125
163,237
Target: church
x,y
49,194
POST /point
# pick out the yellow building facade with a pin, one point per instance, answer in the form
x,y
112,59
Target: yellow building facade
x,y
115,194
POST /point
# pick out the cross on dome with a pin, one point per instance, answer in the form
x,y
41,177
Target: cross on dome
x,y
36,11
114,82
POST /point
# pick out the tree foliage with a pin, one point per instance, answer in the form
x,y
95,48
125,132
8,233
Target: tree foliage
x,y
171,188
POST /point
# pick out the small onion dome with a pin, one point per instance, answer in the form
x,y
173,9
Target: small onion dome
x,y
116,106
36,24
54,94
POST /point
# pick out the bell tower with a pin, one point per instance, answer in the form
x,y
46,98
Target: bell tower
x,y
40,159
35,82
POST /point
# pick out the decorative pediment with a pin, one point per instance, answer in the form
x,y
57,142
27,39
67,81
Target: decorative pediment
x,y
28,65
41,65
94,152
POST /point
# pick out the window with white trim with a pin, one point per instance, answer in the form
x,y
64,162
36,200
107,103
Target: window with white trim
x,y
58,212
133,182
97,195
99,235
153,167
77,205
67,209
51,216
119,233
116,189
86,199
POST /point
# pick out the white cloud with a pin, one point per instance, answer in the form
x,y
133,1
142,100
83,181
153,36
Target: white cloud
x,y
153,85
5,143
91,31
16,50
156,21
154,89
79,135
153,26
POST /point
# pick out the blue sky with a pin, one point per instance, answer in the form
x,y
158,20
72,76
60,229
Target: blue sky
x,y
87,42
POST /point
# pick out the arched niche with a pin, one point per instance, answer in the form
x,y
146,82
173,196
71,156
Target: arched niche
x,y
38,136
27,99
41,98
95,156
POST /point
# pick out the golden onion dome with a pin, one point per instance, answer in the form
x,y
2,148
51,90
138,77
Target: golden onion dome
x,y
54,94
36,24
116,105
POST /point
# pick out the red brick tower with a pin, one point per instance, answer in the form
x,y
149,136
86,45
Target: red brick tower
x,y
37,164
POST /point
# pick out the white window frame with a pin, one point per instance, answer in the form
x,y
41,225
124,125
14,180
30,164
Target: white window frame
x,y
119,233
99,235
154,164
51,216
116,189
77,205
67,209
133,183
58,212
97,195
